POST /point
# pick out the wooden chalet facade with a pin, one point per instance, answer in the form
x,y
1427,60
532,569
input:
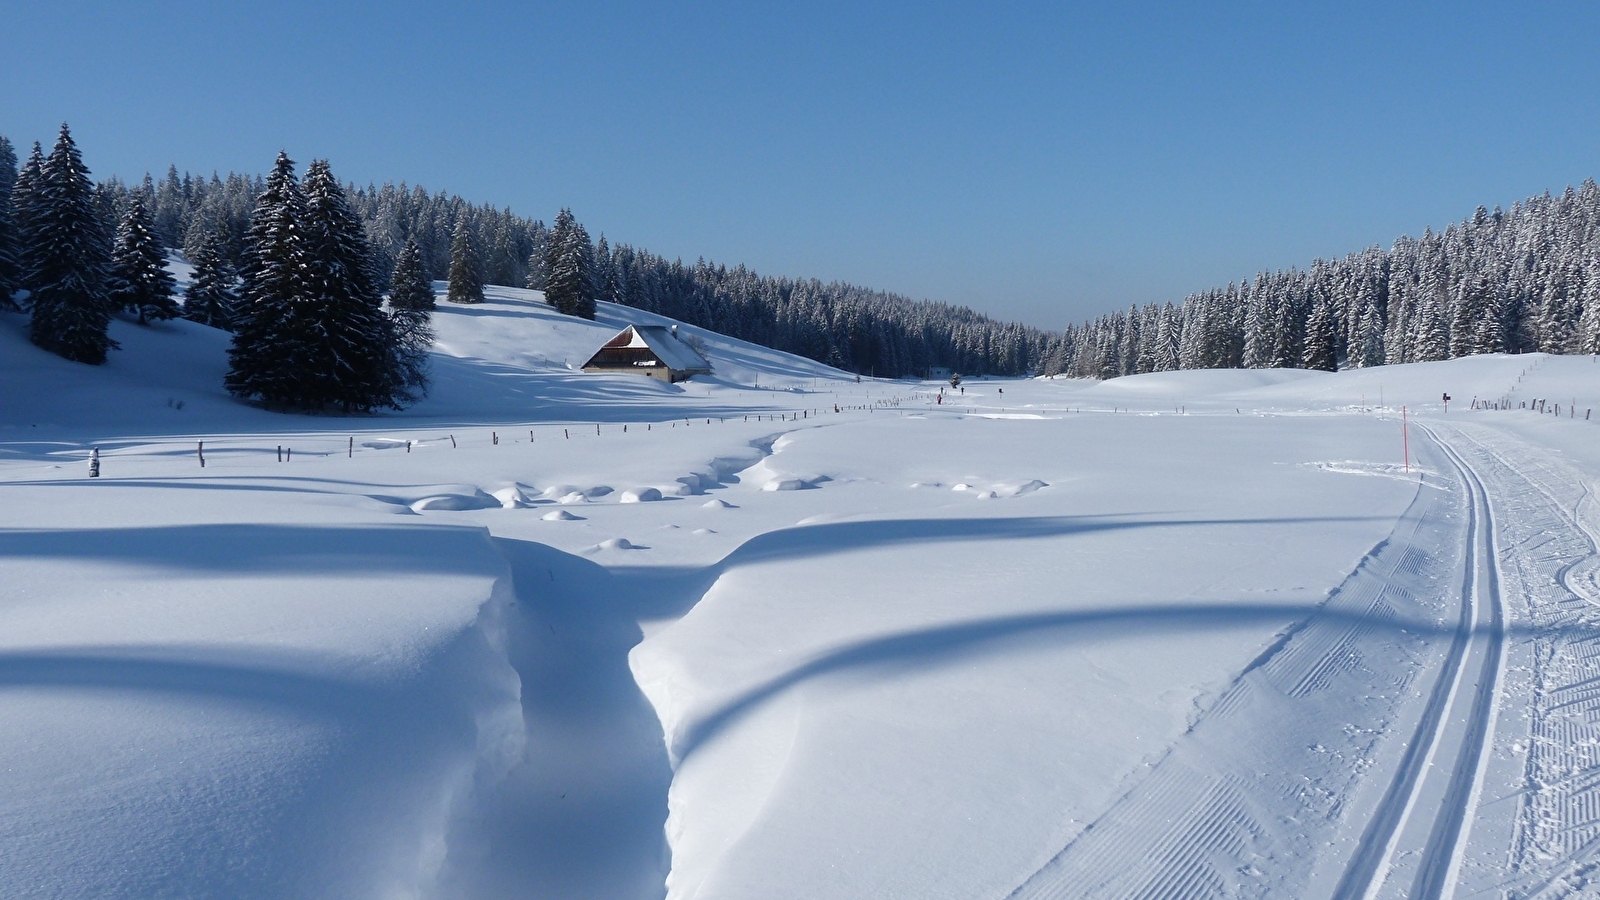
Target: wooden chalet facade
x,y
652,350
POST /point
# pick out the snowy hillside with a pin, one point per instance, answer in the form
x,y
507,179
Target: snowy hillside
x,y
777,633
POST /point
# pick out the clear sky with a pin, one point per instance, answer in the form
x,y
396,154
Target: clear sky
x,y
1043,162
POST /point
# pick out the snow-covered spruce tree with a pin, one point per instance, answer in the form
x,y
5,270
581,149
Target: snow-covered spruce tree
x,y
1366,339
409,287
606,286
466,270
569,276
270,330
353,363
537,279
10,276
210,299
1468,309
1321,351
70,256
140,282
24,207
311,332
1589,320
411,305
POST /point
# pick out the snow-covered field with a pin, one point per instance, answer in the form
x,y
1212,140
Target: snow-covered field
x,y
779,633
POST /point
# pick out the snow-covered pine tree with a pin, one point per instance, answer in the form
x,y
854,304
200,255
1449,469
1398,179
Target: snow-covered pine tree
x,y
1488,331
466,270
411,305
10,276
269,338
536,272
1321,350
605,273
569,276
1589,320
210,299
353,364
70,256
1167,340
1468,309
140,282
1432,339
24,212
409,287
1366,339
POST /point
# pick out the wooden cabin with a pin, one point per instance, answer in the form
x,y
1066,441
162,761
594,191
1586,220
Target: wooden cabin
x,y
652,350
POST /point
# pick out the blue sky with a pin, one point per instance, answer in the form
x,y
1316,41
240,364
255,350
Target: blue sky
x,y
1043,162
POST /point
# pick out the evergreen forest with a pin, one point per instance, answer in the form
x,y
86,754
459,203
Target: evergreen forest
x,y
278,257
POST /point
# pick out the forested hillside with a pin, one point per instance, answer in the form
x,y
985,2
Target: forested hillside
x,y
1517,282
841,324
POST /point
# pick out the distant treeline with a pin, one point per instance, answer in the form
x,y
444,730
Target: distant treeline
x,y
1522,281
840,324
1519,281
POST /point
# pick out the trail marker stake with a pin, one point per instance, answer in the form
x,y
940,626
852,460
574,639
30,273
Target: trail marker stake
x,y
1405,438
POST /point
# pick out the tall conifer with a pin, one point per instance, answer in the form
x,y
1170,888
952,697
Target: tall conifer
x,y
268,341
210,299
569,284
10,276
70,256
1321,351
410,310
351,360
140,282
466,270
24,203
409,287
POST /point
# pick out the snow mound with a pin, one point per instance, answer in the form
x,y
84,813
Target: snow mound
x,y
618,544
560,515
716,503
456,501
640,495
512,497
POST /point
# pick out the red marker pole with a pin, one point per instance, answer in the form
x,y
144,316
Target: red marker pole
x,y
1405,438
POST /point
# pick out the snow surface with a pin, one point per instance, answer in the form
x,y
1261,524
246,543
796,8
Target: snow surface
x,y
549,634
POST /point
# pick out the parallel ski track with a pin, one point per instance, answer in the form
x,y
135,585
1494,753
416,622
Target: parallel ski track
x,y
1369,867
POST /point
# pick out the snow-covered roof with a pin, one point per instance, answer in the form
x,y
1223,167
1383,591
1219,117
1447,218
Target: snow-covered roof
x,y
660,340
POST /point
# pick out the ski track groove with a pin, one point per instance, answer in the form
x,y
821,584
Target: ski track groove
x,y
1555,838
1189,830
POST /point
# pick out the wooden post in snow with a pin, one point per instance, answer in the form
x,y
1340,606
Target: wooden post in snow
x,y
200,451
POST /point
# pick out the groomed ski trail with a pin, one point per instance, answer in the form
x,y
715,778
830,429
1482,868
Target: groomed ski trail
x,y
1250,798
1419,830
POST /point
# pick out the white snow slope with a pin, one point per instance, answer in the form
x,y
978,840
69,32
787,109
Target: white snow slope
x,y
777,633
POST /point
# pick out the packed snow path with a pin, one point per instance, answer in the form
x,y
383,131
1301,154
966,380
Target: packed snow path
x,y
1183,635
1418,828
